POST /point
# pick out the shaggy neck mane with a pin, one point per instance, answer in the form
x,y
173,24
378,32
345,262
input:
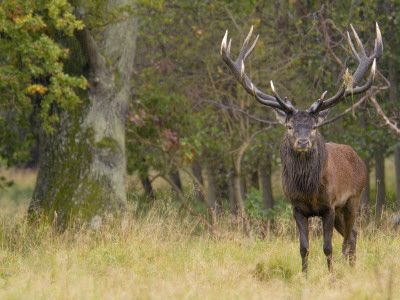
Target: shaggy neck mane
x,y
302,172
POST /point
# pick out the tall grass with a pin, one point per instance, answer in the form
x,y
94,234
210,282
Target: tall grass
x,y
159,251
163,253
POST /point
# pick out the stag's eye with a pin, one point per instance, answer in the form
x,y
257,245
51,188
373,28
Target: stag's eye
x,y
314,127
290,127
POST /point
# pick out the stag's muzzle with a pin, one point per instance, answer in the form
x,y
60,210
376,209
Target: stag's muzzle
x,y
303,145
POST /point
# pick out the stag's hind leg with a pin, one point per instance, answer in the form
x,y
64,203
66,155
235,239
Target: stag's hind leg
x,y
345,224
350,216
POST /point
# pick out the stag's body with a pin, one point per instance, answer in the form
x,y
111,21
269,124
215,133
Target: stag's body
x,y
324,180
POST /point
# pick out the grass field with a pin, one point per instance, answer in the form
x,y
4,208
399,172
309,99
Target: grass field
x,y
163,253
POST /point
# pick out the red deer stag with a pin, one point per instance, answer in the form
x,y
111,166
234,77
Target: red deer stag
x,y
319,179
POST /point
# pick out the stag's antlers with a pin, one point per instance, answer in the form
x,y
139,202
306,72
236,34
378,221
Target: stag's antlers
x,y
365,62
237,68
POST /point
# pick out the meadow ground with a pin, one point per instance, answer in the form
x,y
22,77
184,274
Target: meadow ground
x,y
163,253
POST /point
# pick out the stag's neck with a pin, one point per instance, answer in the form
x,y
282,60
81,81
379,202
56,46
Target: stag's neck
x,y
302,172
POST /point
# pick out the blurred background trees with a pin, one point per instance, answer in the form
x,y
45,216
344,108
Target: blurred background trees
x,y
188,120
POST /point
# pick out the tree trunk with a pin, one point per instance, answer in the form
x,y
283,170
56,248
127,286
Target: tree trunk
x,y
243,187
196,169
232,202
148,189
238,194
380,180
265,173
365,198
254,180
82,166
397,169
212,190
174,176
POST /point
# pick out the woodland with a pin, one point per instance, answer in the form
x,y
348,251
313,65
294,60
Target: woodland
x,y
127,148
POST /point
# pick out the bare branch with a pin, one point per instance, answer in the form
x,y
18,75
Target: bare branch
x,y
349,109
237,109
190,210
388,123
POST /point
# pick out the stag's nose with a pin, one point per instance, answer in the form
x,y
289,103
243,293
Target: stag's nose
x,y
303,144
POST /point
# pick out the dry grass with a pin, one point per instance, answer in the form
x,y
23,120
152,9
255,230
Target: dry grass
x,y
165,254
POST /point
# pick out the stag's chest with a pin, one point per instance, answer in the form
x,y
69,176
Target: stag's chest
x,y
305,187
311,206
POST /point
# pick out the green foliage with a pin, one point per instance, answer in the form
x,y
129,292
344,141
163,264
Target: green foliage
x,y
32,72
254,207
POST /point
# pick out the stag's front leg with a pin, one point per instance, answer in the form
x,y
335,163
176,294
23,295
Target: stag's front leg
x,y
328,220
302,226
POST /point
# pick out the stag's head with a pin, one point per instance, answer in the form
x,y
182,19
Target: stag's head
x,y
301,128
302,125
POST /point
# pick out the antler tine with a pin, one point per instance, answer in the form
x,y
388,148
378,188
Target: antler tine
x,y
353,50
252,47
364,64
317,105
229,47
238,69
223,44
321,100
378,42
287,105
359,43
242,53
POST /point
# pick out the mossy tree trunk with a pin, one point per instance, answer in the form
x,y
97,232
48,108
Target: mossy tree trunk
x,y
82,168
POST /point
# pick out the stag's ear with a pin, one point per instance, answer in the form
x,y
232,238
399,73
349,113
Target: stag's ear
x,y
280,116
322,115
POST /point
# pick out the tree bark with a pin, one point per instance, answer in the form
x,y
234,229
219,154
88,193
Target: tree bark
x,y
232,202
82,167
397,169
265,173
212,190
176,179
365,197
243,187
238,195
148,189
380,180
255,180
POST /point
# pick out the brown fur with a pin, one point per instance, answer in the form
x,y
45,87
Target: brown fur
x,y
326,181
